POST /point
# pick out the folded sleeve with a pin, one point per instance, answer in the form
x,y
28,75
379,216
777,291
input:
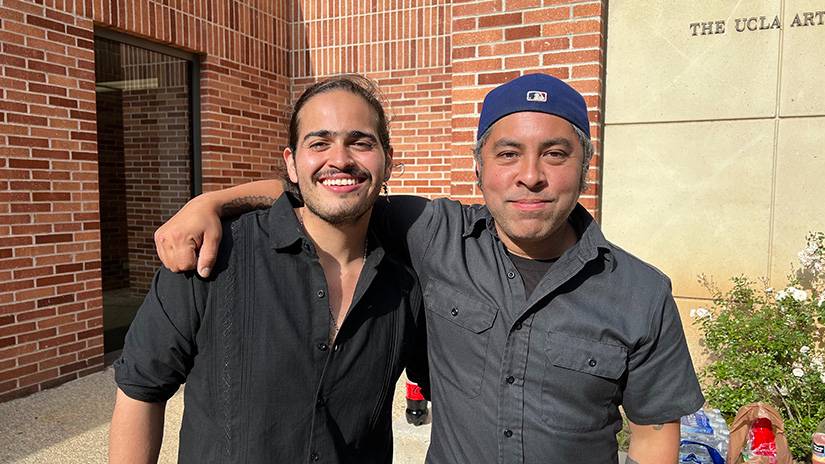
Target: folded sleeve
x,y
661,382
160,345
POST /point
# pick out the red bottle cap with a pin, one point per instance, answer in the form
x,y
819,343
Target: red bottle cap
x,y
762,433
414,392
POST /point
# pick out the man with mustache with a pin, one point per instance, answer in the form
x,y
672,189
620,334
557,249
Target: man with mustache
x,y
292,347
538,327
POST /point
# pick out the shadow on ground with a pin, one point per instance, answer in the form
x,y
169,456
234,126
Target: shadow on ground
x,y
70,423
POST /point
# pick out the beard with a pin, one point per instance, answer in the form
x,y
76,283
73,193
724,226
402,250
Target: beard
x,y
347,210
342,214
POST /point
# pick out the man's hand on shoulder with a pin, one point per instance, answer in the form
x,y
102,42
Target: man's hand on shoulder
x,y
190,239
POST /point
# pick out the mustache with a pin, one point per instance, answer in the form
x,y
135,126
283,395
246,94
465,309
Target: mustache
x,y
353,171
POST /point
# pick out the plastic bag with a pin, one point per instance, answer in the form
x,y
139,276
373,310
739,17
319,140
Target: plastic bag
x,y
704,438
698,453
740,430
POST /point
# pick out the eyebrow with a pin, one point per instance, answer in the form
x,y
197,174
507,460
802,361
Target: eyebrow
x,y
506,142
355,134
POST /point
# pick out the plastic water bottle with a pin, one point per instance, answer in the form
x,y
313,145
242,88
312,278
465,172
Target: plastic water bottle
x,y
818,444
704,438
416,412
721,433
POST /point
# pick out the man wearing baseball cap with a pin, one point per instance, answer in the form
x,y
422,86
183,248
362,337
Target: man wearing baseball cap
x,y
538,327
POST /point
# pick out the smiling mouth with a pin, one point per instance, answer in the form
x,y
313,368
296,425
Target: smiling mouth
x,y
338,182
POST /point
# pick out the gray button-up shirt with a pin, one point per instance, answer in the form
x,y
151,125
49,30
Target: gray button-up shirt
x,y
518,379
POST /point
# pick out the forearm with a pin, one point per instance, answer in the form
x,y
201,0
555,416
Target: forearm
x,y
653,444
191,237
241,198
136,432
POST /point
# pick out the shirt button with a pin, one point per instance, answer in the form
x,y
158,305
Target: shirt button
x,y
510,379
517,326
591,362
321,293
314,456
511,275
322,346
508,433
454,312
336,347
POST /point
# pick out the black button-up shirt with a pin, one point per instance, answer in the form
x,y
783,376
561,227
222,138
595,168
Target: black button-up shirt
x,y
534,378
251,343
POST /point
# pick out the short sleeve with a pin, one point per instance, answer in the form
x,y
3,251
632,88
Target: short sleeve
x,y
661,382
160,347
405,224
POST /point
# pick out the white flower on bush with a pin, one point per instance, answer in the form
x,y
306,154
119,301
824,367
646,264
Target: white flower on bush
x,y
793,292
818,363
810,258
804,349
699,313
822,377
821,299
798,372
783,391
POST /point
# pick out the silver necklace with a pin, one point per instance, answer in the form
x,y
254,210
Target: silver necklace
x,y
333,324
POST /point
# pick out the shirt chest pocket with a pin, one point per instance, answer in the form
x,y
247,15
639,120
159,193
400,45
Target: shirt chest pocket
x,y
581,382
458,331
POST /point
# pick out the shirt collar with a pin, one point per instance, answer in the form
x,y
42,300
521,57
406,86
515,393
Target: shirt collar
x,y
284,227
474,226
591,239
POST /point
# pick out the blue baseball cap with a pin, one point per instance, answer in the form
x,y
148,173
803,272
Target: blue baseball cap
x,y
534,92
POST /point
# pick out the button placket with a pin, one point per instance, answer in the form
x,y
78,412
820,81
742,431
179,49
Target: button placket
x,y
511,392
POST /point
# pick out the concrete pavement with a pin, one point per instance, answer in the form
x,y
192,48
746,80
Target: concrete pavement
x,y
70,425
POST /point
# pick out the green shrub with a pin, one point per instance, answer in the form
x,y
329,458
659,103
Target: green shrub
x,y
766,345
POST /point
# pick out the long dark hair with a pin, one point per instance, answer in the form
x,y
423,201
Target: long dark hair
x,y
354,83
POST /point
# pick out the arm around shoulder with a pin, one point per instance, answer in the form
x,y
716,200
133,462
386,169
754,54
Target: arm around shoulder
x,y
189,240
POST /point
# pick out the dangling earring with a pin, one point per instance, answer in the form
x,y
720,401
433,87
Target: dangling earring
x,y
385,188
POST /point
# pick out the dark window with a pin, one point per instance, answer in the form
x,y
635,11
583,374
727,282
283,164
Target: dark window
x,y
147,164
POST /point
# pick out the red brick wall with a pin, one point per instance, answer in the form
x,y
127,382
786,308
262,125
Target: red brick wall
x,y
50,279
434,60
405,48
50,317
497,40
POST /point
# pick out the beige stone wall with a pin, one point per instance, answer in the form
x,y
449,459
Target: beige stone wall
x,y
714,145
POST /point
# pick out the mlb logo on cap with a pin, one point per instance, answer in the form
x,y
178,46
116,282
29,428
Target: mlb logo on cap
x,y
536,96
533,92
